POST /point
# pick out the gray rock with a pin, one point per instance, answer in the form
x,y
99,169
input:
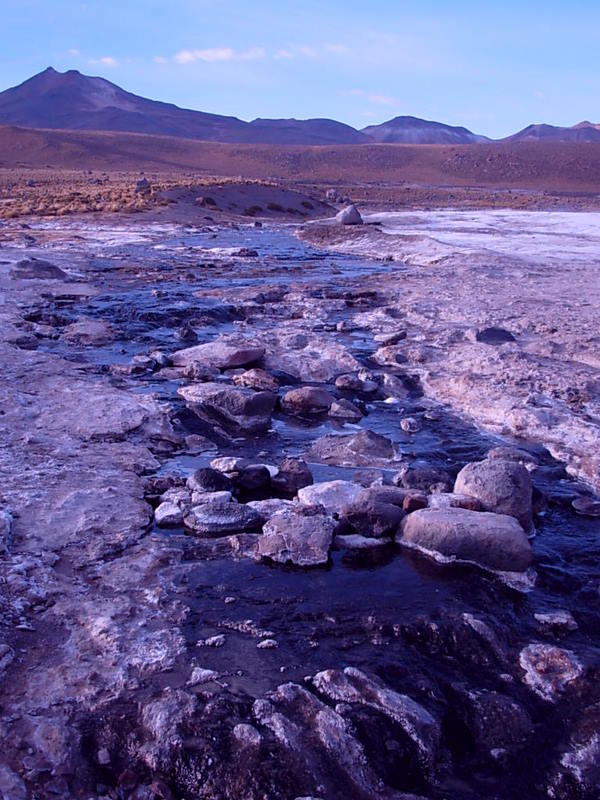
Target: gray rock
x,y
37,269
345,410
355,687
89,332
219,354
238,408
307,400
293,475
334,496
371,517
503,487
220,518
349,216
206,479
291,537
168,515
363,449
495,541
6,523
268,508
258,379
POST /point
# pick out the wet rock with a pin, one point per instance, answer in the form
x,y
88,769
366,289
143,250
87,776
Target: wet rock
x,y
206,479
307,400
293,474
548,669
334,496
267,644
355,687
345,410
200,498
556,621
411,424
386,339
414,502
168,515
89,332
371,517
220,354
247,735
395,388
495,541
270,507
492,719
577,773
320,739
423,477
586,506
292,537
200,676
315,360
218,518
349,216
229,464
258,379
252,480
143,186
238,408
390,356
186,333
37,269
503,487
363,449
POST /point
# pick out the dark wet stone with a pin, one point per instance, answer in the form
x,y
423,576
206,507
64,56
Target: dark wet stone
x,y
423,477
494,336
209,480
293,475
371,517
307,400
37,269
297,538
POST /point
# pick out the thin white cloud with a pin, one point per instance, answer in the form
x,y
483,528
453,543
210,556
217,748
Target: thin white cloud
x,y
373,97
160,60
215,54
105,61
74,52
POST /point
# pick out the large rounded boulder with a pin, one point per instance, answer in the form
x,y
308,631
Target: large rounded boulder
x,y
503,487
495,541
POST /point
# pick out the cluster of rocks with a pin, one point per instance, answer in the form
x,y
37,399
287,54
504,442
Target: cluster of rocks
x,y
485,519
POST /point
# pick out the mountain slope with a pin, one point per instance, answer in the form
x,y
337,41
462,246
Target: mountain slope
x,y
412,130
583,132
72,101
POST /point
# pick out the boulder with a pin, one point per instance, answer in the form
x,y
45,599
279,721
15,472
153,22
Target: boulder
x,y
495,541
219,354
307,400
371,517
363,449
233,407
268,508
258,379
218,518
450,500
334,496
503,487
349,216
345,410
209,480
293,475
89,332
168,515
424,477
292,537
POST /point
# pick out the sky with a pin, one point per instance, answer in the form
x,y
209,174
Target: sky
x,y
494,67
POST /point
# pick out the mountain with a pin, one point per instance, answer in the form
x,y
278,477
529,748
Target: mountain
x,y
72,101
412,130
583,132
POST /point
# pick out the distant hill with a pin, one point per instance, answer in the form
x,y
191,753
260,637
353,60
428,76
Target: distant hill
x,y
412,130
72,101
583,132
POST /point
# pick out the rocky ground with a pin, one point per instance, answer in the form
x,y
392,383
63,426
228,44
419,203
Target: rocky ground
x,y
246,550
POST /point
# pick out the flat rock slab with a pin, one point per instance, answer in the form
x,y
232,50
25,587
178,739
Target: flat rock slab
x,y
233,406
363,449
219,518
334,496
496,541
290,537
219,355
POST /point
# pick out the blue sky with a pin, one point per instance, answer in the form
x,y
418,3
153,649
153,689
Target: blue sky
x,y
494,67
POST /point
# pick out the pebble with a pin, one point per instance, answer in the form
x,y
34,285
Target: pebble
x,y
212,641
267,644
